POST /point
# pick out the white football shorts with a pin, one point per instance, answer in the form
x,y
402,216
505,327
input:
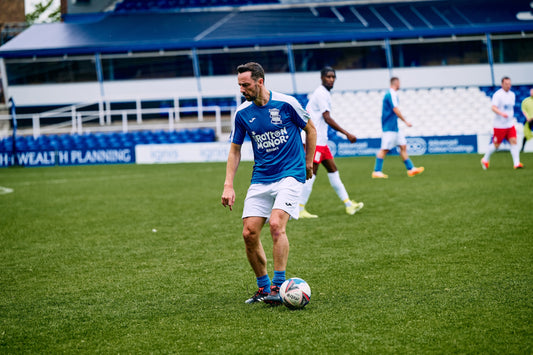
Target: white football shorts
x,y
284,195
390,140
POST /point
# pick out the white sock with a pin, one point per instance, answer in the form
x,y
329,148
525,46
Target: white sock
x,y
338,186
489,152
306,192
515,153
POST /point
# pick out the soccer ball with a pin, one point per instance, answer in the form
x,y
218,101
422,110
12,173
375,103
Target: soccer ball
x,y
295,293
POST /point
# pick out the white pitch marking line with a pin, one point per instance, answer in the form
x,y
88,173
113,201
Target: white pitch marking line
x,y
5,190
81,179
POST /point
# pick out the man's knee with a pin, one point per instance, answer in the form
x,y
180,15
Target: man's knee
x,y
250,233
276,229
382,153
277,226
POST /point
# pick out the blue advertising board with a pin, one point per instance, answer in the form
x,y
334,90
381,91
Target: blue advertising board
x,y
33,158
96,156
415,146
216,151
6,159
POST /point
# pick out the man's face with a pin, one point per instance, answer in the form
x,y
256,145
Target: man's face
x,y
506,84
396,84
328,80
250,88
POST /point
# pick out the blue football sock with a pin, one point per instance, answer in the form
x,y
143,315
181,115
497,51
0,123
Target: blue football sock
x,y
408,164
379,164
279,278
264,281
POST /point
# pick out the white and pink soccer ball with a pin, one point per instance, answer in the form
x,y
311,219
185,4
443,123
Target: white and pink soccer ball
x,y
295,293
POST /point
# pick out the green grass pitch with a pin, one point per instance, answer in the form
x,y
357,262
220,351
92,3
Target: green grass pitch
x,y
144,259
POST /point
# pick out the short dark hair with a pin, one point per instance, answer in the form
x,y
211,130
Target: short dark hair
x,y
326,70
393,79
255,68
505,78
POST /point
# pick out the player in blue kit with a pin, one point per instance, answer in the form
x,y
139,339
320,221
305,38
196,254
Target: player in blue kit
x,y
274,122
392,135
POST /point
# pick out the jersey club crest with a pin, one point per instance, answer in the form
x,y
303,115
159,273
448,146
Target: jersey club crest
x,y
275,118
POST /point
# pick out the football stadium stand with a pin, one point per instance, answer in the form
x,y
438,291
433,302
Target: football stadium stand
x,y
433,112
182,54
112,32
112,140
337,20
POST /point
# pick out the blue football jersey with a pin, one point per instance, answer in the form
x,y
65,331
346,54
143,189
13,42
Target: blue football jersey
x,y
389,120
274,130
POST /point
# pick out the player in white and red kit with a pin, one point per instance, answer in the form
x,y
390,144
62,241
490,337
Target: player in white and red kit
x,y
319,107
503,102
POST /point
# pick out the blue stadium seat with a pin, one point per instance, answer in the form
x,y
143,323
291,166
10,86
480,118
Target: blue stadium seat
x,y
6,144
114,140
219,101
302,99
488,90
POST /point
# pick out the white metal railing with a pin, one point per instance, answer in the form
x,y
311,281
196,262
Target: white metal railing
x,y
78,118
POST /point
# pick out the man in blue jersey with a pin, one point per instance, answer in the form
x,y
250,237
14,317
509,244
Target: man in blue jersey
x,y
392,136
274,122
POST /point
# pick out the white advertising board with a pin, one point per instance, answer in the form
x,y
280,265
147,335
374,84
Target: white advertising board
x,y
188,153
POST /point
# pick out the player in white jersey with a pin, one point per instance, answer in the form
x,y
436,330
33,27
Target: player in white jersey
x,y
319,107
503,102
273,121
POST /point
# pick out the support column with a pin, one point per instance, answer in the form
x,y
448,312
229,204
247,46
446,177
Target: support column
x,y
490,57
388,54
292,67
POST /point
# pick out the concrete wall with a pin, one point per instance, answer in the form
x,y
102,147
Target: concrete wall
x,y
347,80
